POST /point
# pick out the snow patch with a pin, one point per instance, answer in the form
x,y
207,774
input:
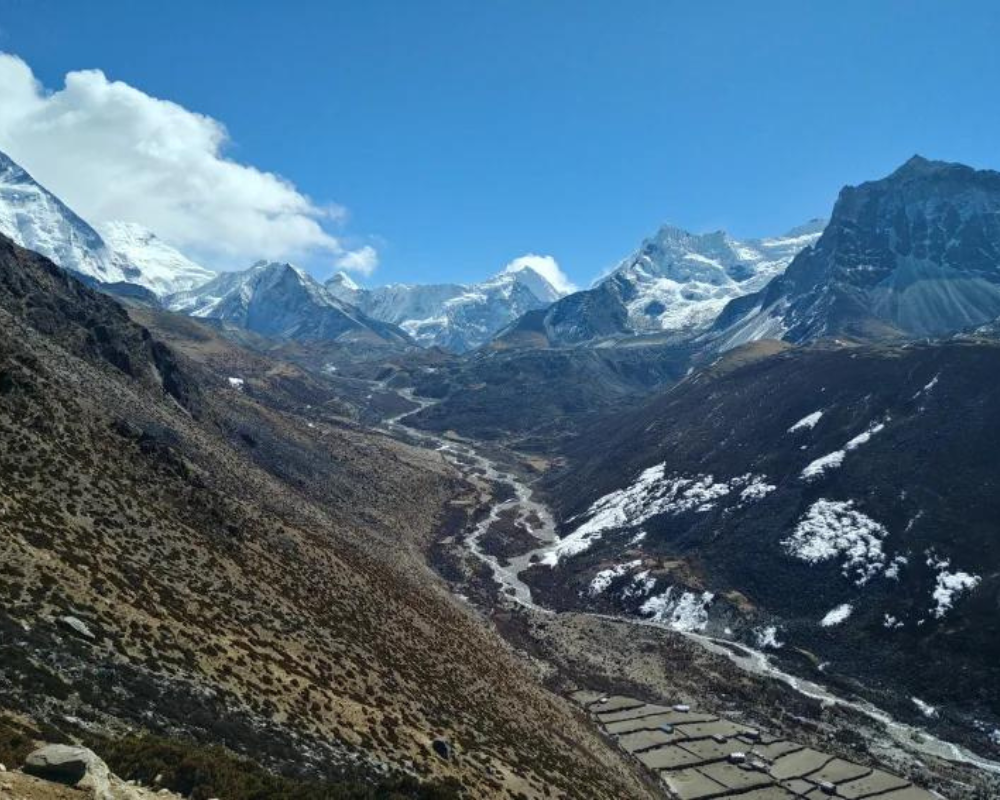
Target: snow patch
x,y
681,611
889,622
808,422
602,580
834,460
642,584
821,466
767,638
650,495
756,490
892,571
833,529
926,709
929,387
864,437
948,585
837,615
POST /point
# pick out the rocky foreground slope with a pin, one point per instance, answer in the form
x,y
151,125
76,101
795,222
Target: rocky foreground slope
x,y
180,558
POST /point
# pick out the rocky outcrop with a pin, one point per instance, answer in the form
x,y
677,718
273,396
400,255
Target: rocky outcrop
x,y
73,766
915,254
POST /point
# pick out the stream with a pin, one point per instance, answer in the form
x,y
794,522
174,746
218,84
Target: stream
x,y
465,457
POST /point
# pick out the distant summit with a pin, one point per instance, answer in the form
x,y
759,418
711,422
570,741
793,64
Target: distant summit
x,y
914,254
677,282
280,300
457,317
162,268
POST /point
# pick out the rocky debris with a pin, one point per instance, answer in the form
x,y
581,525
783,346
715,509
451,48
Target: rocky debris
x,y
699,756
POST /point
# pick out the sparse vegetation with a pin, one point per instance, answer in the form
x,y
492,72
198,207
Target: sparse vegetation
x,y
204,772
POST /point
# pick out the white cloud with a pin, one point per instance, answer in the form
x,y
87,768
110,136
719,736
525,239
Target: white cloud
x,y
363,260
547,267
112,152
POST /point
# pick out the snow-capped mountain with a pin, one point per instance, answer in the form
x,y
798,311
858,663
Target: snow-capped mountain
x,y
915,254
679,280
35,218
282,301
453,316
162,269
676,282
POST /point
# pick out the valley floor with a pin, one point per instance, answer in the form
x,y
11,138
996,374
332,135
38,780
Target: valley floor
x,y
590,656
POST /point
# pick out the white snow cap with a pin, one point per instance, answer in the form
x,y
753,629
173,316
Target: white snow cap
x,y
546,266
343,279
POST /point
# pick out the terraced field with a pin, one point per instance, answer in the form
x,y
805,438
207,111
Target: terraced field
x,y
701,756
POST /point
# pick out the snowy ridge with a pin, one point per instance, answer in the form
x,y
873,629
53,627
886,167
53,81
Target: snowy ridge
x,y
680,280
36,219
282,301
162,269
458,317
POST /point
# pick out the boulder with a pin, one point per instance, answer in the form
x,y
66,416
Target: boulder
x,y
442,748
73,766
77,626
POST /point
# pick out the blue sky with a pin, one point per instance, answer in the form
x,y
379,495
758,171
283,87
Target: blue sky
x,y
460,135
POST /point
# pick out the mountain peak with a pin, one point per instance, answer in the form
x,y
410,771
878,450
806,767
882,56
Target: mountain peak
x,y
343,280
919,167
913,254
162,269
543,274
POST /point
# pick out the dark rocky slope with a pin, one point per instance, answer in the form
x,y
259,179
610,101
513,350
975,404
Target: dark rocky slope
x,y
890,481
535,397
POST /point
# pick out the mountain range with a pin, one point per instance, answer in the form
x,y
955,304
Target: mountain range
x,y
284,302
676,283
328,525
457,317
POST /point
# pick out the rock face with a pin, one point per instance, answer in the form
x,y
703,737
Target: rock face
x,y
71,765
677,282
86,323
457,317
281,301
916,254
